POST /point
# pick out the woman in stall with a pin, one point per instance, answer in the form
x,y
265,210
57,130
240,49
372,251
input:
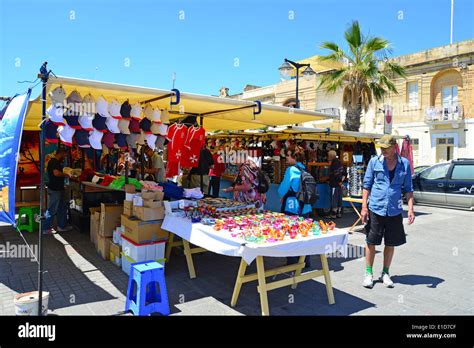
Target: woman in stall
x,y
245,185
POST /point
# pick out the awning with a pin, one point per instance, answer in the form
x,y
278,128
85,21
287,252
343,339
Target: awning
x,y
305,133
190,104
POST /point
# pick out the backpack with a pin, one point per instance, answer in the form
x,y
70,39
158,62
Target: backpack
x,y
263,182
307,193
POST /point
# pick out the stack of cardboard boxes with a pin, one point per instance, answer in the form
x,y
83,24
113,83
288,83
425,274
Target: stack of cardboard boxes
x,y
142,238
103,222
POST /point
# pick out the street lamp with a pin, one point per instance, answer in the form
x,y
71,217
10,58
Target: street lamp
x,y
287,67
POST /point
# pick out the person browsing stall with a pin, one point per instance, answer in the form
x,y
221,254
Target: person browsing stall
x,y
336,179
56,196
388,176
290,186
156,167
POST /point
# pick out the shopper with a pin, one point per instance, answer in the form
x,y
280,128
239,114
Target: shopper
x,y
205,164
387,177
289,187
215,173
336,179
246,184
155,166
56,197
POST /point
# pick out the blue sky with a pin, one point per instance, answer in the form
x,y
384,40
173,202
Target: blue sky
x,y
202,49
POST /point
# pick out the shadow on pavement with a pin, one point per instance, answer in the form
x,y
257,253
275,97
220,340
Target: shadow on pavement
x,y
413,279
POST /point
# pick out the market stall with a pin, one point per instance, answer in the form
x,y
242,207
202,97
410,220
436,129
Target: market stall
x,y
268,146
102,123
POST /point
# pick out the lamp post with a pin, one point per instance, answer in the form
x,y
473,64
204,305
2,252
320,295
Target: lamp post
x,y
287,67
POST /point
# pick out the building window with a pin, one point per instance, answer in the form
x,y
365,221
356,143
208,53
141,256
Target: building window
x,y
412,93
450,98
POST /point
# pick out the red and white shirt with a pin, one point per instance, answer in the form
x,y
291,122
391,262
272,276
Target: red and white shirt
x,y
177,134
195,139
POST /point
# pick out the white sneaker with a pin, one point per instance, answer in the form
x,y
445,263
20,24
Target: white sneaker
x,y
368,281
385,278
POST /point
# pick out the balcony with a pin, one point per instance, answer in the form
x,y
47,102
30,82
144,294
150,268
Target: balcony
x,y
453,115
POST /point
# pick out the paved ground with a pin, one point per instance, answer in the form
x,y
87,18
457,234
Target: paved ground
x,y
433,275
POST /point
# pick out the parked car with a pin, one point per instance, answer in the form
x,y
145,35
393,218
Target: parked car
x,y
446,184
419,169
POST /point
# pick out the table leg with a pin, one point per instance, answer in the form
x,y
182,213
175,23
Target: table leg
x,y
169,246
189,259
298,271
357,221
327,279
238,282
262,286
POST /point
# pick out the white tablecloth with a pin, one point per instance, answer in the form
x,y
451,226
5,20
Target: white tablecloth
x,y
221,242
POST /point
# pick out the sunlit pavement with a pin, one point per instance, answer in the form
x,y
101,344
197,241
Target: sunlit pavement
x,y
433,274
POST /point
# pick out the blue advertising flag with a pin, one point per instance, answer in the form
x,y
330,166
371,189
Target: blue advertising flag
x,y
11,127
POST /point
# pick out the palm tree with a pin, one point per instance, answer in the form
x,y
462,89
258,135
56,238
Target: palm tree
x,y
365,73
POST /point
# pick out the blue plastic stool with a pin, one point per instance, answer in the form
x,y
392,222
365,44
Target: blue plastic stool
x,y
143,297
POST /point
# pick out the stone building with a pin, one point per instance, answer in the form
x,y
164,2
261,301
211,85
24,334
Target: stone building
x,y
434,106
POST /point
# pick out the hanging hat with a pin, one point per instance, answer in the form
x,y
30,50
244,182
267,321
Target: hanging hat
x,y
136,112
95,139
82,138
58,95
74,104
51,132
108,140
134,125
88,105
145,125
148,112
125,110
56,114
112,125
114,109
86,122
65,134
99,123
121,140
156,117
102,107
124,125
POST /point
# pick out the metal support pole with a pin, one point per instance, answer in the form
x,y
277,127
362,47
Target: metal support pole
x,y
297,85
42,197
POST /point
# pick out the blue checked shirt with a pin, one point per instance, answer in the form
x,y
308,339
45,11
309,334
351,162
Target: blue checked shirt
x,y
386,197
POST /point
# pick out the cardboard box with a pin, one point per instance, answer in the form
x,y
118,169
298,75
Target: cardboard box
x,y
114,253
29,195
149,214
103,247
130,188
127,208
143,231
109,218
156,195
94,224
150,203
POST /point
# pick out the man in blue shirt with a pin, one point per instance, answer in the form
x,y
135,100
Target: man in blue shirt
x,y
385,179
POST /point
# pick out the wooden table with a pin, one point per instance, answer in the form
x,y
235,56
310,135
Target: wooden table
x,y
352,200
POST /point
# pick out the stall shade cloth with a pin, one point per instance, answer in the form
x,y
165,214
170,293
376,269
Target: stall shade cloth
x,y
221,242
192,104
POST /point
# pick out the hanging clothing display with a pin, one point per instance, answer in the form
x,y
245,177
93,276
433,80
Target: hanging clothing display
x,y
195,139
177,134
407,152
